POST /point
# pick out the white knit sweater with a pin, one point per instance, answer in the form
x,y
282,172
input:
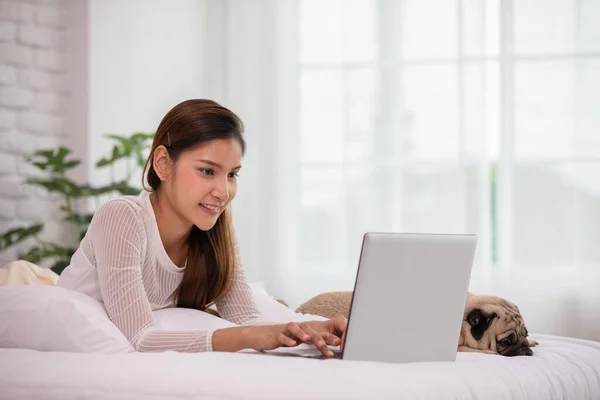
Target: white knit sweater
x,y
122,263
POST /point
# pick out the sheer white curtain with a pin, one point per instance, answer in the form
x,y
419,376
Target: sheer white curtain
x,y
457,116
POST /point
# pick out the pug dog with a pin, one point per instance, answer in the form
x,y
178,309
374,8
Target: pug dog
x,y
494,325
490,324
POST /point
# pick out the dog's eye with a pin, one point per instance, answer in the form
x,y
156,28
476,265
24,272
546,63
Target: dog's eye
x,y
509,341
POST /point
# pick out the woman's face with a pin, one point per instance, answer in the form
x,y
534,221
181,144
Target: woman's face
x,y
203,181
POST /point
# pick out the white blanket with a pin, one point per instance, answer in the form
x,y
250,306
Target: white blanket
x,y
560,369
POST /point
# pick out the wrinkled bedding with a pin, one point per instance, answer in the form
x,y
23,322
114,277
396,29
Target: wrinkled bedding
x,y
562,368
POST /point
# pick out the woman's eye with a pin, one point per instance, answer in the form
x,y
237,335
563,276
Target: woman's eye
x,y
234,175
206,171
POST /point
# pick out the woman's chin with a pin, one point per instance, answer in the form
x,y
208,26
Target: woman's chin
x,y
204,220
205,224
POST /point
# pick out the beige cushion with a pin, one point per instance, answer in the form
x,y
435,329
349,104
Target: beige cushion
x,y
21,273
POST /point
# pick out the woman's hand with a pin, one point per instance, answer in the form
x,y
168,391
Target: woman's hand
x,y
335,326
319,333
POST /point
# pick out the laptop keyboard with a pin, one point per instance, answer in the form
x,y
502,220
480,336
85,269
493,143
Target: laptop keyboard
x,y
314,353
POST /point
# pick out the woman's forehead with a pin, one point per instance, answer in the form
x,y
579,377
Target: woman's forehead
x,y
222,151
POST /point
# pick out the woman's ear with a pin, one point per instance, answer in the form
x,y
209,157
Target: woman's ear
x,y
162,162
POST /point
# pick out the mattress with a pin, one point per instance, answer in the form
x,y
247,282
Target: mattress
x,y
562,368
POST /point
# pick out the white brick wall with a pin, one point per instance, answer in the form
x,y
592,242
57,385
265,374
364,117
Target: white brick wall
x,y
32,90
8,75
8,30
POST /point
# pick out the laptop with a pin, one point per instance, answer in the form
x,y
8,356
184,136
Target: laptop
x,y
408,301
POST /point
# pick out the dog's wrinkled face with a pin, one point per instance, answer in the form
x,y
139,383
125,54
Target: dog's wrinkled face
x,y
494,325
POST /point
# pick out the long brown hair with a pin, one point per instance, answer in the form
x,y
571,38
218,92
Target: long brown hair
x,y
211,254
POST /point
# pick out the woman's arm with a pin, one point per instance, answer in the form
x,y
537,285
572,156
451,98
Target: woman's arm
x,y
119,241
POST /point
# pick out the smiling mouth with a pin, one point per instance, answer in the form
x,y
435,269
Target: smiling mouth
x,y
210,208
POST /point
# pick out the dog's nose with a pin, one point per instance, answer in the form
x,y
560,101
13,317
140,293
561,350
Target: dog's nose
x,y
525,351
519,351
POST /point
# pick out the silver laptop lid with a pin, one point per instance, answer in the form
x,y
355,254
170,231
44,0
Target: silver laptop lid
x,y
409,297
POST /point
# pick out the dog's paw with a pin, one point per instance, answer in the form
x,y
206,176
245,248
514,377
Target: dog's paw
x,y
532,343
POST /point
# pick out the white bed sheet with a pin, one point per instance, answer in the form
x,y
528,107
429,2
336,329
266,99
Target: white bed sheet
x,y
561,368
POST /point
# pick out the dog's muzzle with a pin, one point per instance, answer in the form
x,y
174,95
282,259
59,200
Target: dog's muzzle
x,y
519,351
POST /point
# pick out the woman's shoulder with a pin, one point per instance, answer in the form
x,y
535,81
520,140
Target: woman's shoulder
x,y
122,207
117,224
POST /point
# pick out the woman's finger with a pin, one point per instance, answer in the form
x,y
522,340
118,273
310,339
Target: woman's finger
x,y
294,331
317,339
286,340
331,339
340,324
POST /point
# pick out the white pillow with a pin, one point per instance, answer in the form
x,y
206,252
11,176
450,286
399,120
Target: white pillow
x,y
272,310
51,318
185,319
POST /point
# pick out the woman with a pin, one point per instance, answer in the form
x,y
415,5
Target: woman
x,y
173,245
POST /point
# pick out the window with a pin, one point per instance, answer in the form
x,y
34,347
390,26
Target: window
x,y
458,116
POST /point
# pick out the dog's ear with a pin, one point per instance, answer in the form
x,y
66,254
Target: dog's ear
x,y
479,322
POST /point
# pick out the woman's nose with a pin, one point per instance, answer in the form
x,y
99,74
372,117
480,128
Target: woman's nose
x,y
221,190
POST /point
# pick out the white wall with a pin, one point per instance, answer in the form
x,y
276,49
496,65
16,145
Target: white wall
x,y
158,53
250,90
143,59
560,301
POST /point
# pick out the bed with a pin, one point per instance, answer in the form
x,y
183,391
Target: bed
x,y
561,369
56,344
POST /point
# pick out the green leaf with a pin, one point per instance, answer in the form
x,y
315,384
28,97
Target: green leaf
x,y
52,160
79,219
42,252
41,165
123,141
140,160
41,153
120,187
82,234
70,189
127,190
58,185
143,136
117,154
62,153
103,162
71,164
14,236
34,255
127,146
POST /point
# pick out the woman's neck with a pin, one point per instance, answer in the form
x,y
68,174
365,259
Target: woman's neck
x,y
173,231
